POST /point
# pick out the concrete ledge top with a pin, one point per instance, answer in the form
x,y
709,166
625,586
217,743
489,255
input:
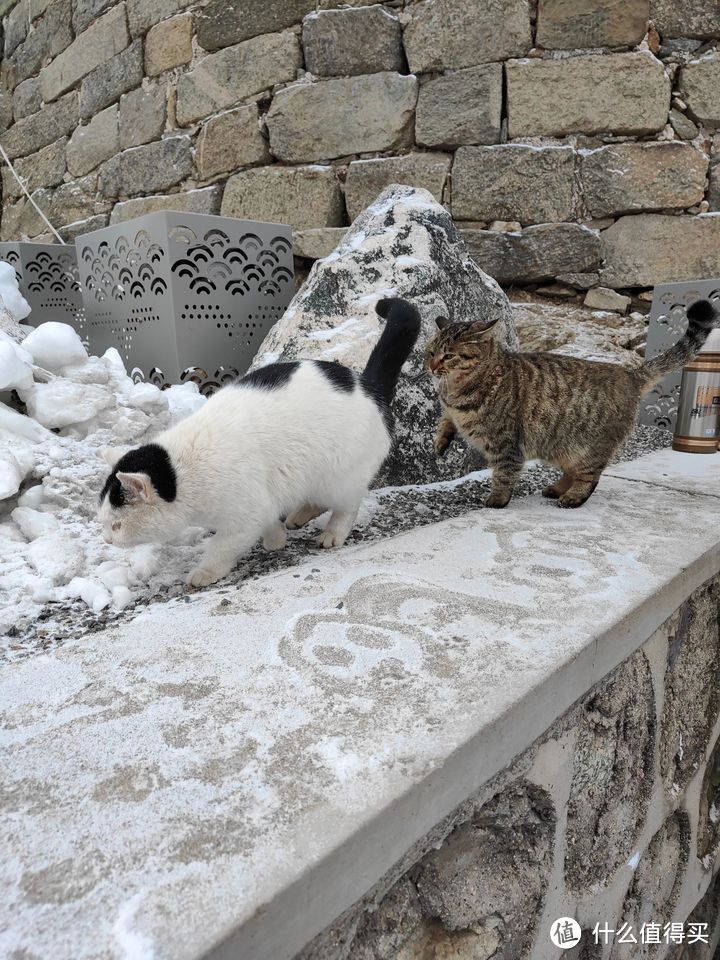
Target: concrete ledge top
x,y
223,775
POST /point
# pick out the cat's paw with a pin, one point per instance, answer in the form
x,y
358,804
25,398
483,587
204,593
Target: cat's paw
x,y
497,500
551,492
275,539
440,445
302,516
202,577
331,538
571,502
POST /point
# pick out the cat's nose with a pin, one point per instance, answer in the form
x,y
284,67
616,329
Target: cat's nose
x,y
107,539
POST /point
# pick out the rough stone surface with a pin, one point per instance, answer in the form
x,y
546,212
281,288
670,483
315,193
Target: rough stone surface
x,y
299,196
94,143
153,167
230,141
206,200
708,840
107,37
644,250
407,243
626,177
682,125
221,79
568,24
354,41
461,107
685,18
693,661
602,298
50,37
536,253
87,11
453,33
142,116
169,44
366,179
579,332
612,775
713,193
110,80
623,93
334,118
494,867
46,168
49,124
26,98
70,201
699,86
143,14
317,242
224,22
15,27
514,182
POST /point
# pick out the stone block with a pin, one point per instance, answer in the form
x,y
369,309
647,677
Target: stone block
x,y
47,125
699,86
6,110
685,18
299,196
353,41
627,177
26,98
94,143
713,193
318,242
514,182
206,200
366,179
335,118
536,253
460,107
50,36
69,202
683,126
15,27
223,79
582,24
169,44
225,22
621,93
143,14
71,231
142,116
445,34
107,37
87,11
230,141
46,168
602,298
107,83
147,169
647,249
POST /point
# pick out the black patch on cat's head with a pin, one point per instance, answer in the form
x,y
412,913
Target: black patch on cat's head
x,y
271,377
340,376
151,459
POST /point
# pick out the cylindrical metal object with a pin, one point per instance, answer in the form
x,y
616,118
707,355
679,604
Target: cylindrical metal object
x,y
697,429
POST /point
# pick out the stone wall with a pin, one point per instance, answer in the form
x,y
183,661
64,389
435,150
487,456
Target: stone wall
x,y
611,817
571,141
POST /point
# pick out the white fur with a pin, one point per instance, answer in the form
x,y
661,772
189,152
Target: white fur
x,y
250,456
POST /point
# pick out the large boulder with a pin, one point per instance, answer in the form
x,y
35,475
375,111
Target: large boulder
x,y
405,244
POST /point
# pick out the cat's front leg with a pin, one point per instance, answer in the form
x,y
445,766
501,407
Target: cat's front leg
x,y
506,466
275,537
338,527
445,434
221,552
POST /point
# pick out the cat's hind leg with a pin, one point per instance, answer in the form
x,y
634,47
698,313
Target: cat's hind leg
x,y
585,479
339,526
305,514
507,464
275,537
555,490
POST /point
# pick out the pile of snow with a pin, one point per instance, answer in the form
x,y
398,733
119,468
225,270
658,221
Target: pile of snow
x,y
51,548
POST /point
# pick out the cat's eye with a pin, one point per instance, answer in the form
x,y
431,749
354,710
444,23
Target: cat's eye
x,y
446,356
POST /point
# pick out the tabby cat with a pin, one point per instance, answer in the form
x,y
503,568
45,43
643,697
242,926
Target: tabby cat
x,y
569,412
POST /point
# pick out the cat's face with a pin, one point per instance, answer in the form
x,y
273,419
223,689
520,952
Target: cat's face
x,y
135,503
457,346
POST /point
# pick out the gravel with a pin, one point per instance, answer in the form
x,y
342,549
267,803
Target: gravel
x,y
386,513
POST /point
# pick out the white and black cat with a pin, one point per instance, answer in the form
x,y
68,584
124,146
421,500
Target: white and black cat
x,y
290,439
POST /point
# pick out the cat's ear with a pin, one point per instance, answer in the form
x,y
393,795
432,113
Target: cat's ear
x,y
482,326
138,485
111,455
442,322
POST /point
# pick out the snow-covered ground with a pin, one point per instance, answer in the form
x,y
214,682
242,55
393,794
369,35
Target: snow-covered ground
x,y
51,472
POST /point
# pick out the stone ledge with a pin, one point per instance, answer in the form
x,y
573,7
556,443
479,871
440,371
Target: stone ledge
x,y
231,789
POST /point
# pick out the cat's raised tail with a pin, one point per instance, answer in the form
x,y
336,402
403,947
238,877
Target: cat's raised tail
x,y
703,317
382,371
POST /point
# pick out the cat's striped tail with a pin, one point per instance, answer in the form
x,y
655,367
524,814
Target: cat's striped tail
x,y
382,371
702,318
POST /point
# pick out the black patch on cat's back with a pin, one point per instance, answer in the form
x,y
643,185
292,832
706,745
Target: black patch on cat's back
x,y
341,377
151,459
271,377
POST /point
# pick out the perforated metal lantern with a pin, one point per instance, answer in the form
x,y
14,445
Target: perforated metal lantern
x,y
668,322
185,296
48,278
